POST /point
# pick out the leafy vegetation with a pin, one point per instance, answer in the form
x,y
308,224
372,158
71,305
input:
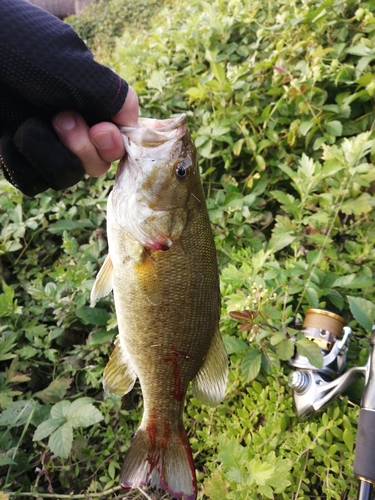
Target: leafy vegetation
x,y
280,101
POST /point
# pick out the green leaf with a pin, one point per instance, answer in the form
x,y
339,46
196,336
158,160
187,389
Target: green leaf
x,y
353,281
305,127
60,441
311,351
237,147
231,453
7,345
285,349
357,206
277,338
219,71
60,410
101,336
280,240
348,439
215,487
250,365
306,166
93,315
17,413
6,300
82,413
5,460
334,128
312,296
259,472
69,225
234,474
234,344
206,149
46,428
27,352
363,311
55,391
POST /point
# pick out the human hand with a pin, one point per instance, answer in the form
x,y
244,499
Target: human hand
x,y
101,144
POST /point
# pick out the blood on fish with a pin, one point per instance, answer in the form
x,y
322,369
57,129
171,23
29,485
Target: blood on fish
x,y
152,432
178,391
159,436
159,246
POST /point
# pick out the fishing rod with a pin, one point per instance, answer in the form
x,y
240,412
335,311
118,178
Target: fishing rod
x,y
313,388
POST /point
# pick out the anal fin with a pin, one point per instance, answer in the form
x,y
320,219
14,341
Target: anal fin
x,y
119,377
210,382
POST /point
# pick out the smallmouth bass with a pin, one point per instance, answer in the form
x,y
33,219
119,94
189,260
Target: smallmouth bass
x,y
163,272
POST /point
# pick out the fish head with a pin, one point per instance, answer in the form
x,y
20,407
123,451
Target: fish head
x,y
155,180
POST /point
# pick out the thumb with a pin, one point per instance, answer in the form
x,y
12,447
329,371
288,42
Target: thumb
x,y
128,114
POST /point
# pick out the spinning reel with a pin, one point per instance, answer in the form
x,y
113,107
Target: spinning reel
x,y
314,387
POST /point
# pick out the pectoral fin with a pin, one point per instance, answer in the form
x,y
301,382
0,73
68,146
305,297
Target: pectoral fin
x,y
104,281
119,377
210,382
148,279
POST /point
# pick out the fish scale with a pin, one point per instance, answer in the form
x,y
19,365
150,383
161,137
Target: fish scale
x,y
163,272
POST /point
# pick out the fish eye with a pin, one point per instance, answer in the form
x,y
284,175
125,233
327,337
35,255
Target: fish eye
x,y
182,169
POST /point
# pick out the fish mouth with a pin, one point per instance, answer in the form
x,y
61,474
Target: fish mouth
x,y
151,132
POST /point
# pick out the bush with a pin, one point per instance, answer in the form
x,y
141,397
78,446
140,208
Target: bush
x,y
103,21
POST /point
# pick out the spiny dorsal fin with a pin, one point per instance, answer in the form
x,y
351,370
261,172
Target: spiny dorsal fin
x,y
210,382
104,281
119,377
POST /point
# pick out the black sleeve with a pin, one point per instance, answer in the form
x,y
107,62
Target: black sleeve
x,y
45,68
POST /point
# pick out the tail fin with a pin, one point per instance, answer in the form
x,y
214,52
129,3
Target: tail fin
x,y
164,462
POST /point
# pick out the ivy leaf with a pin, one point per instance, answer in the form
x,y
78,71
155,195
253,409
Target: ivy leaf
x,y
311,351
250,365
61,440
363,311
